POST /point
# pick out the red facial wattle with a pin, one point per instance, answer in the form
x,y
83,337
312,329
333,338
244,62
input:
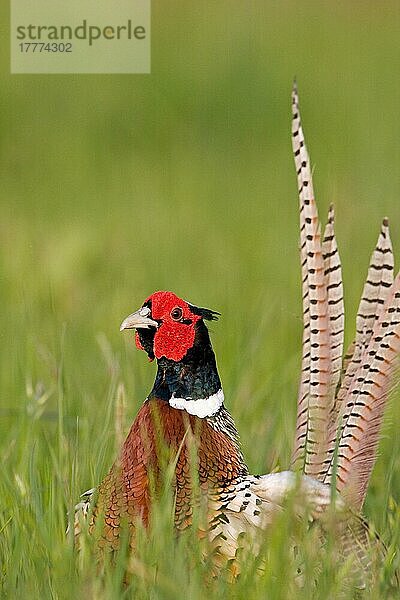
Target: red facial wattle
x,y
174,337
173,340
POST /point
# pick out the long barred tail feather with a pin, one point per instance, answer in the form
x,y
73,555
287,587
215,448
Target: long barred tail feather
x,y
313,411
376,288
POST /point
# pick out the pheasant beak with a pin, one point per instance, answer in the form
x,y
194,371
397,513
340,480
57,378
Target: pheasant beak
x,y
138,320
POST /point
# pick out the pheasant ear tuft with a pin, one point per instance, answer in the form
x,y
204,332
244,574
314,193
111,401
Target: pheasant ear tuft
x,y
205,313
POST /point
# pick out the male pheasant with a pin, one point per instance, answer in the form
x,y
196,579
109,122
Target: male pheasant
x,y
340,404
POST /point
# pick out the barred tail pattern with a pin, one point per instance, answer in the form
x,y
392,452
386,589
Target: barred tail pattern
x,y
334,287
375,292
363,404
376,288
313,412
346,417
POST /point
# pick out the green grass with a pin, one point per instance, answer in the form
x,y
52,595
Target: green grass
x,y
115,186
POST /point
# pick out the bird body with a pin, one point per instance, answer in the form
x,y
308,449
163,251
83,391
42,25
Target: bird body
x,y
136,477
184,421
236,502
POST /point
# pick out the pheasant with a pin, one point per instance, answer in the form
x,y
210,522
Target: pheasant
x,y
340,405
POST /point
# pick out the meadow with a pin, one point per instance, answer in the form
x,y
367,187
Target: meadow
x,y
115,186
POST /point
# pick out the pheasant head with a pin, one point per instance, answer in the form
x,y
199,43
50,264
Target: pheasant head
x,y
173,331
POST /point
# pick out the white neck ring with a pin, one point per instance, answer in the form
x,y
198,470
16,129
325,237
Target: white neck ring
x,y
203,407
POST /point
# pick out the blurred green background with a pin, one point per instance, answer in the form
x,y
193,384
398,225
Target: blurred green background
x,y
115,186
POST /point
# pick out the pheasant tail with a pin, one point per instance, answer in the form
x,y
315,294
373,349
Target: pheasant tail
x,y
349,419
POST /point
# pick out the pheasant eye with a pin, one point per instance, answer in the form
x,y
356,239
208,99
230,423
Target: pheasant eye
x,y
176,313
